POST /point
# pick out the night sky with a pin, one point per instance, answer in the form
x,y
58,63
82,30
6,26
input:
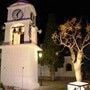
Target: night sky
x,y
61,8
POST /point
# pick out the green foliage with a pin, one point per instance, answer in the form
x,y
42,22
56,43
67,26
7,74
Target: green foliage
x,y
49,48
50,56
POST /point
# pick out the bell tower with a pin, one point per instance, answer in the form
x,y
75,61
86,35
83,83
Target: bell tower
x,y
19,59
21,24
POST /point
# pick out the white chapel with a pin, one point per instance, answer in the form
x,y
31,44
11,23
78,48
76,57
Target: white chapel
x,y
19,59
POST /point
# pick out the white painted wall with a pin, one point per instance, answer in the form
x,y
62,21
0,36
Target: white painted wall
x,y
44,69
25,7
61,72
34,34
26,27
19,66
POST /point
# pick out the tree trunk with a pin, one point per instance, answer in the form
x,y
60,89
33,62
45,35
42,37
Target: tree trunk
x,y
77,65
77,68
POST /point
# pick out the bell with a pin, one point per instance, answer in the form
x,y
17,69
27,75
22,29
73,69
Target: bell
x,y
14,30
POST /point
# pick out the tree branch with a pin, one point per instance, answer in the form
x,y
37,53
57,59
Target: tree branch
x,y
64,43
73,45
75,42
85,39
85,45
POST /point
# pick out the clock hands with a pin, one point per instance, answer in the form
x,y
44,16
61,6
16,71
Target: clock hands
x,y
17,14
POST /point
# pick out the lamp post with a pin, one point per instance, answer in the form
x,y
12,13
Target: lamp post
x,y
40,55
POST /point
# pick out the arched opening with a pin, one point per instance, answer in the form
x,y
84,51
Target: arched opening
x,y
22,38
17,34
33,18
68,67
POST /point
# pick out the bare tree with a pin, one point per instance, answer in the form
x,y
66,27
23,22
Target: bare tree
x,y
76,37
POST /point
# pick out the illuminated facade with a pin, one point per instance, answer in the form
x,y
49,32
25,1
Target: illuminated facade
x,y
19,59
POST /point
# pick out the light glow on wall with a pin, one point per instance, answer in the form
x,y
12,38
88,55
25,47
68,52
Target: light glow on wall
x,y
40,55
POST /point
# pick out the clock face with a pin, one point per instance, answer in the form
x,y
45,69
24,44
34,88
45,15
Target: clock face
x,y
17,14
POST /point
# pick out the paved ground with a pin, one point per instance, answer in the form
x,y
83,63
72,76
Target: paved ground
x,y
47,85
52,85
56,85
